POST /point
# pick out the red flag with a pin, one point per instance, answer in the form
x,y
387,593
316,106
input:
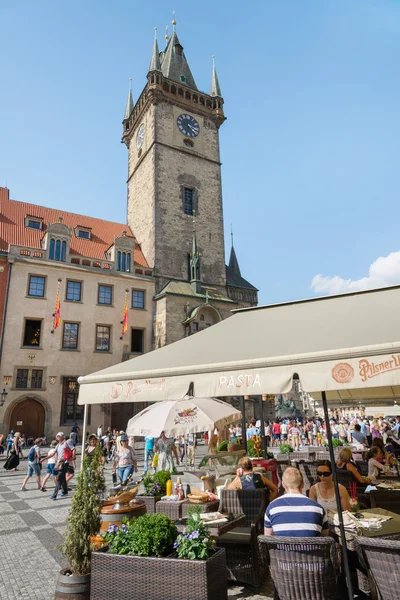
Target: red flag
x,y
57,311
125,318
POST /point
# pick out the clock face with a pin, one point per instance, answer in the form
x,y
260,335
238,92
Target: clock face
x,y
188,125
140,136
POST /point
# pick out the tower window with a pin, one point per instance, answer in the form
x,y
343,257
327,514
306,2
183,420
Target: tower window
x,y
58,250
188,198
182,78
124,261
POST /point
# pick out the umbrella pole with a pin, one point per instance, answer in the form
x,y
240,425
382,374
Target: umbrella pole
x,y
242,410
85,415
262,428
337,494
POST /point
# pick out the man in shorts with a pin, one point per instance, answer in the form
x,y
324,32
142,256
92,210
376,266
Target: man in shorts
x,y
65,453
33,464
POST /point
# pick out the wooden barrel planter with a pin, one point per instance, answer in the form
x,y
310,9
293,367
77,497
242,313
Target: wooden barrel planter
x,y
114,516
72,587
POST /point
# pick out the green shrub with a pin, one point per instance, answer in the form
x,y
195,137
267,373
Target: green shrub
x,y
285,449
194,543
335,442
222,446
84,516
149,535
161,478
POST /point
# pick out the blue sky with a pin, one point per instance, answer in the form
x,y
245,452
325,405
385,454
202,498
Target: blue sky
x,y
309,149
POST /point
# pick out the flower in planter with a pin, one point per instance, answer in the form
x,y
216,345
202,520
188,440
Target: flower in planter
x,y
194,543
149,535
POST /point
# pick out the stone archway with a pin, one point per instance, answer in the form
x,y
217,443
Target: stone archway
x,y
28,415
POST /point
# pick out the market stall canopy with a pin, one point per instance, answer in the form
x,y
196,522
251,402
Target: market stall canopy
x,y
350,341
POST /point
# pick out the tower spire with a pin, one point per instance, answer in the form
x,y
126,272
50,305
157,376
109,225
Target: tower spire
x,y
129,102
215,88
174,64
155,64
233,261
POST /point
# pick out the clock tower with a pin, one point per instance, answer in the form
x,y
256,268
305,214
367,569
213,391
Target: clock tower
x,y
174,202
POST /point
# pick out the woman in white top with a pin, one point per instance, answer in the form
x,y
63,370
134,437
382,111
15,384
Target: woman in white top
x,y
323,492
374,466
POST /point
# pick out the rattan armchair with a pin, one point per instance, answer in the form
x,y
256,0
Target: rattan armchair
x,y
245,562
387,499
302,568
382,558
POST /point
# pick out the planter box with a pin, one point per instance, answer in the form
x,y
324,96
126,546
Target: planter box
x,y
122,577
150,502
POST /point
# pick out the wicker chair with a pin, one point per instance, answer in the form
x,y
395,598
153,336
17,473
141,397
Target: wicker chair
x,y
302,568
362,467
387,499
302,455
245,563
280,470
382,558
309,472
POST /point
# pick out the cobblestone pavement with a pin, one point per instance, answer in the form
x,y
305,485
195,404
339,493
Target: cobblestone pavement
x,y
31,530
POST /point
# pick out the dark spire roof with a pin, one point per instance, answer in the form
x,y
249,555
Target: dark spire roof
x,y
215,88
233,261
155,64
174,64
129,104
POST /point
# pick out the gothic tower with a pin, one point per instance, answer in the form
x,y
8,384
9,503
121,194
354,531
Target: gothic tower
x,y
174,171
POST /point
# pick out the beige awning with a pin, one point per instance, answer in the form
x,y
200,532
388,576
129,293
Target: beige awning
x,y
337,343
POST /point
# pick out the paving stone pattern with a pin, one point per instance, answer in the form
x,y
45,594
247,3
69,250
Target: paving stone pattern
x,y
31,530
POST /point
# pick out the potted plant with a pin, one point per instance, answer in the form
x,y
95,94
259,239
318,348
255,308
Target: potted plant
x,y
154,489
83,522
285,449
140,556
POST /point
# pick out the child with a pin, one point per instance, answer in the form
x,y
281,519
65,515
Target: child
x,y
374,467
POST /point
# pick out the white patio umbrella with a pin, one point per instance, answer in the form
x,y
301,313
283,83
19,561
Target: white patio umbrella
x,y
188,415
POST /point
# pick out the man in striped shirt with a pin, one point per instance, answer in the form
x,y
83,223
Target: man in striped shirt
x,y
293,514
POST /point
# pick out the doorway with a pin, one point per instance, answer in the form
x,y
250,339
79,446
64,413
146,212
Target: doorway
x,y
28,418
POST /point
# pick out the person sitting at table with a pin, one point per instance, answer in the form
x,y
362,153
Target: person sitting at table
x,y
374,466
323,492
358,437
247,480
293,514
344,463
387,458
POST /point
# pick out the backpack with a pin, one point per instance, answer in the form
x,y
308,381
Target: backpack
x,y
67,453
32,454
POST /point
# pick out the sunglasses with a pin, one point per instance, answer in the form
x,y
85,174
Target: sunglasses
x,y
324,473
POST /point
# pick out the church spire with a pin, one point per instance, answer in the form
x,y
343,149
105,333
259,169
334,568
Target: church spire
x,y
129,102
174,64
215,88
233,261
155,64
195,264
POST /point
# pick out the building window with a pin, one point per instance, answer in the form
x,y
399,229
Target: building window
x,y
74,291
123,261
188,198
36,379
103,338
58,250
137,299
71,411
32,332
29,379
137,337
34,224
21,380
36,286
104,295
83,233
70,336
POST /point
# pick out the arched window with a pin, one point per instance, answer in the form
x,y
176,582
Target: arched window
x,y
63,251
118,260
58,250
123,263
51,252
128,262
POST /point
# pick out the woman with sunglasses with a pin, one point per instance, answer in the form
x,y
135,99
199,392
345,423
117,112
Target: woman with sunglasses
x,y
323,492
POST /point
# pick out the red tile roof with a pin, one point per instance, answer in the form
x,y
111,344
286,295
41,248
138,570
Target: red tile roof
x,y
13,230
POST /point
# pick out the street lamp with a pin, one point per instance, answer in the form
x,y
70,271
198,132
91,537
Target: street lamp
x,y
3,396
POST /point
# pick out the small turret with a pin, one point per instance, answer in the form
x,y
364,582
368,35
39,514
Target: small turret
x,y
155,64
215,88
129,102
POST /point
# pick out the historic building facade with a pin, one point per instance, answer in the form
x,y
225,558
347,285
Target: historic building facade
x,y
166,269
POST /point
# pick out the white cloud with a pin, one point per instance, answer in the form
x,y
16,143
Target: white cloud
x,y
384,271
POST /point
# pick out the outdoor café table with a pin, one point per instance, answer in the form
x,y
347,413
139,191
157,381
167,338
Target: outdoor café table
x,y
217,529
171,508
205,508
390,527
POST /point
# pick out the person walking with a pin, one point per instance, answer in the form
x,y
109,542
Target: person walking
x,y
65,452
9,442
51,461
191,448
33,464
12,461
166,448
125,460
148,452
